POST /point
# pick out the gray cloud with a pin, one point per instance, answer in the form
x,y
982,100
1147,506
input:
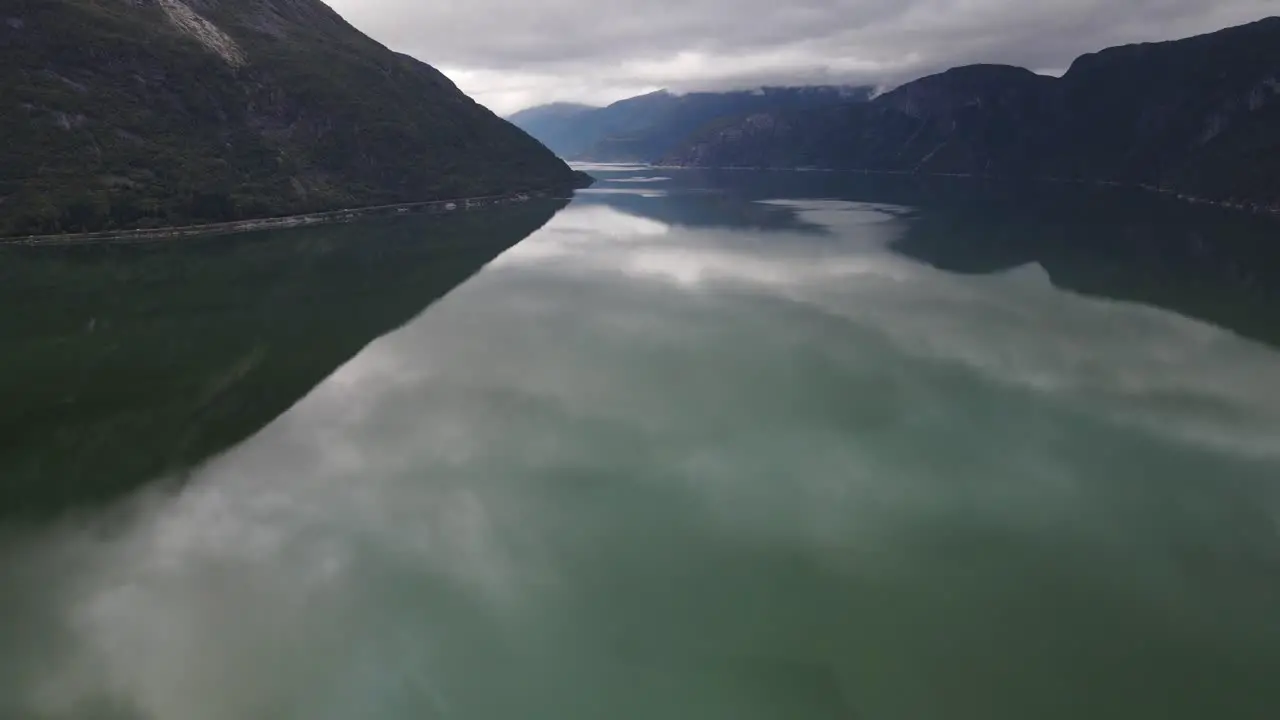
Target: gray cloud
x,y
514,53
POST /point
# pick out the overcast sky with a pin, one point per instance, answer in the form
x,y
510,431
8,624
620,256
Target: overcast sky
x,y
511,54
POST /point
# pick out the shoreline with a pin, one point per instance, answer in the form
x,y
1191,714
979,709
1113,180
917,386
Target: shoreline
x,y
1250,208
330,217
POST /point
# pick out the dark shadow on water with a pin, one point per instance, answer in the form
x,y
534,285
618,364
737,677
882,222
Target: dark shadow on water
x,y
1214,265
120,364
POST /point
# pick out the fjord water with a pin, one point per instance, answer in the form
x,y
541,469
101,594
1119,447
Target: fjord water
x,y
705,446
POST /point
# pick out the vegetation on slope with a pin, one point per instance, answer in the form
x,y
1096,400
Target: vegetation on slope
x,y
137,113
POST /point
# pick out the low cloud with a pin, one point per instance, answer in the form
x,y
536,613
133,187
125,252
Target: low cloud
x,y
511,53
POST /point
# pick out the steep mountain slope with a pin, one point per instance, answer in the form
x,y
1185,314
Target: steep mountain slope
x,y
965,118
646,128
122,113
1199,116
554,125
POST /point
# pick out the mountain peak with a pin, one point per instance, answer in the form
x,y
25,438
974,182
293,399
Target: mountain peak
x,y
134,113
645,128
963,86
1246,39
1198,116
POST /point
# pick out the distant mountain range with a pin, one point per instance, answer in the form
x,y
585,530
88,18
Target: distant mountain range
x,y
1198,117
649,127
135,113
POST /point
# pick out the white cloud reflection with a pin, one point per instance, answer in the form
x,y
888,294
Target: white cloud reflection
x,y
451,511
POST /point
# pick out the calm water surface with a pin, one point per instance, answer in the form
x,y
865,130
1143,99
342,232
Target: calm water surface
x,y
737,446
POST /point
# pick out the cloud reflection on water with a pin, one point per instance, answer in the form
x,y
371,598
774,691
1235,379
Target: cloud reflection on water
x,y
638,464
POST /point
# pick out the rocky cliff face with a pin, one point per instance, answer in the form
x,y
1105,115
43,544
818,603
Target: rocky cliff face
x,y
125,113
1199,116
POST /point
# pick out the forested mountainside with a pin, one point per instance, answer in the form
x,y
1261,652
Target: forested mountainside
x,y
137,113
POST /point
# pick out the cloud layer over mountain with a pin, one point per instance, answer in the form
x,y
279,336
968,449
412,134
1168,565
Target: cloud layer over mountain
x,y
512,53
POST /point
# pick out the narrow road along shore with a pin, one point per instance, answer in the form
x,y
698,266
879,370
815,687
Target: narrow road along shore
x,y
290,221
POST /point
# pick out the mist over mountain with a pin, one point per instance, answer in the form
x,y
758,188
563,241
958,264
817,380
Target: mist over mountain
x,y
1199,116
648,127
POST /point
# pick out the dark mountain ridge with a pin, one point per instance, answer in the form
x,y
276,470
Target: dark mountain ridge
x,y
136,113
553,125
1199,116
648,127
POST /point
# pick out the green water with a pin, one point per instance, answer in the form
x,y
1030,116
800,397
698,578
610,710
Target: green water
x,y
701,446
